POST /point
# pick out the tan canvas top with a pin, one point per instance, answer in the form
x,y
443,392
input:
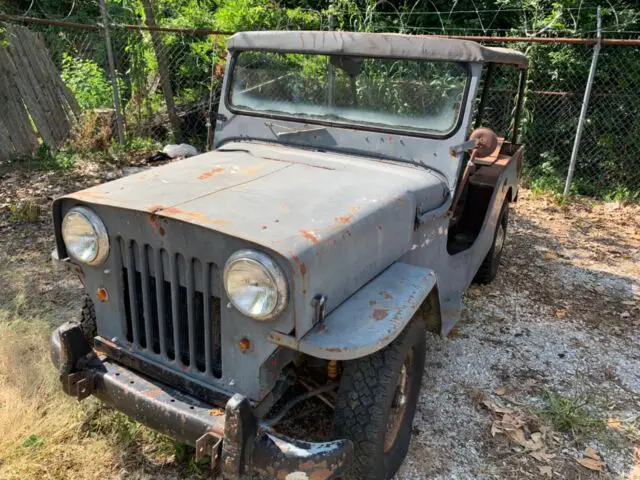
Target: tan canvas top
x,y
391,45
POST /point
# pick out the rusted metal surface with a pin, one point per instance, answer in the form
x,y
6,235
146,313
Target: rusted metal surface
x,y
357,200
207,392
155,404
278,457
230,437
371,318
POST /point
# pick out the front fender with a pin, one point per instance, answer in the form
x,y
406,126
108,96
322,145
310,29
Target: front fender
x,y
368,320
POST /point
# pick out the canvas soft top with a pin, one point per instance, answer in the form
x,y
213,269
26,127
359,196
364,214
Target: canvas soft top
x,y
391,45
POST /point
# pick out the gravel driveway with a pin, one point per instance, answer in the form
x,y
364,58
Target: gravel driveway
x,y
541,379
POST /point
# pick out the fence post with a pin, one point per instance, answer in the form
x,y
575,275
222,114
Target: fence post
x,y
163,70
112,74
585,106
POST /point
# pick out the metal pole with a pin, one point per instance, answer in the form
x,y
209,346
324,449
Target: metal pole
x,y
585,106
330,71
112,74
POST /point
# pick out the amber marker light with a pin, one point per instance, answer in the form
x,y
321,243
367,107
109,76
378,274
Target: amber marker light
x,y
102,294
244,345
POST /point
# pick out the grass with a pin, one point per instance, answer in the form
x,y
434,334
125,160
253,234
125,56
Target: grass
x,y
571,415
24,212
45,434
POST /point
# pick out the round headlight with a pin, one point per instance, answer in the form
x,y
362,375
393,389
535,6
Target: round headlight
x,y
255,284
85,236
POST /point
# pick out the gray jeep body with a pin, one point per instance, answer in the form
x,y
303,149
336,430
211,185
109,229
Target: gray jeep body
x,y
357,218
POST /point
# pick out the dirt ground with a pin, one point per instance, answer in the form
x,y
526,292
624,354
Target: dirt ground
x,y
541,379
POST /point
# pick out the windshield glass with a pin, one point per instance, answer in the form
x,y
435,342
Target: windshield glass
x,y
419,95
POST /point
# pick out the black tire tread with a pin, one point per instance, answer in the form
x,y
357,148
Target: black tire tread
x,y
88,319
488,269
361,406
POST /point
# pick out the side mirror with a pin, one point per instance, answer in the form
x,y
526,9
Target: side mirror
x,y
486,141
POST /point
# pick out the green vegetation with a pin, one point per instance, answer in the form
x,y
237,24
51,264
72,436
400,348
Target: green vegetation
x,y
557,75
87,81
571,415
24,212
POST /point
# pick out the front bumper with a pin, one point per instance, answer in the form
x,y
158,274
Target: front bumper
x,y
237,443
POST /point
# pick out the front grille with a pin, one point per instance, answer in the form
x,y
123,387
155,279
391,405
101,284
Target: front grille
x,y
169,310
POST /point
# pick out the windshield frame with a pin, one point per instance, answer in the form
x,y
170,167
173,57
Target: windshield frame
x,y
238,110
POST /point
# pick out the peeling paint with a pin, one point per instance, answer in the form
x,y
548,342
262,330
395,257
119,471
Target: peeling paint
x,y
210,173
380,314
310,235
197,216
301,266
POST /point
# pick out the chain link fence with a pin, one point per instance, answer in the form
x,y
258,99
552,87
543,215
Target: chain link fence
x,y
176,103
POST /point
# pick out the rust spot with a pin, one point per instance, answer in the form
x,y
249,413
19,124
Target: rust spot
x,y
196,216
216,412
334,349
386,295
210,173
346,219
153,393
310,235
89,194
155,208
162,231
301,266
380,313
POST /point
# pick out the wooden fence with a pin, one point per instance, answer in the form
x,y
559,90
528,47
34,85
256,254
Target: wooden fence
x,y
35,105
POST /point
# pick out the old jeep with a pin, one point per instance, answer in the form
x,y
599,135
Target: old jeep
x,y
344,209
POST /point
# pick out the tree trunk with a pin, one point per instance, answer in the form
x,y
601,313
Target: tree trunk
x,y
163,71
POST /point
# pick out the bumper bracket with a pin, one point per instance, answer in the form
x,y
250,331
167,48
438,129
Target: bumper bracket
x,y
236,441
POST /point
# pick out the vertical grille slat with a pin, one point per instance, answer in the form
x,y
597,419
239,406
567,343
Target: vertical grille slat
x,y
175,303
160,306
206,314
171,313
191,321
146,296
131,285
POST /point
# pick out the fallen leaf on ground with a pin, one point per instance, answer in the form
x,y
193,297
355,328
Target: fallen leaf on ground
x,y
591,453
591,464
500,391
546,471
550,255
613,423
494,407
561,313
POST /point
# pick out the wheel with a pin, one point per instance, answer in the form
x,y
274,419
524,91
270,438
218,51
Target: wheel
x,y
88,320
489,268
376,403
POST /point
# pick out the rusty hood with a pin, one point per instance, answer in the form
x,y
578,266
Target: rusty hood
x,y
338,220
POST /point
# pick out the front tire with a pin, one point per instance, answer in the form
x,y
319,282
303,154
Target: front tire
x,y
490,265
377,401
88,320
